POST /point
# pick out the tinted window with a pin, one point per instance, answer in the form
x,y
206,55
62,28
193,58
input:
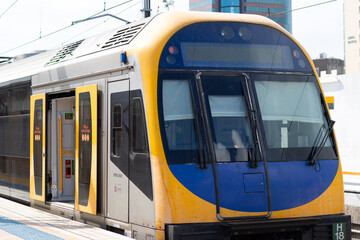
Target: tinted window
x,y
293,115
38,145
177,119
140,165
116,129
15,138
232,45
229,117
181,122
178,115
138,126
120,130
85,147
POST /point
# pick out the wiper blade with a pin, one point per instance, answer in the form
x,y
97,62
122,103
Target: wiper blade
x,y
319,142
249,99
198,116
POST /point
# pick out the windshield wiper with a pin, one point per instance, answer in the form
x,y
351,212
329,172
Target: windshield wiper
x,y
199,115
319,142
249,99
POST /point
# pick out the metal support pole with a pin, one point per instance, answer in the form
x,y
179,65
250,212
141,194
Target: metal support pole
x,y
147,8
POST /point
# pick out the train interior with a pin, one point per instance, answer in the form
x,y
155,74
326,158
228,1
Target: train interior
x,y
61,164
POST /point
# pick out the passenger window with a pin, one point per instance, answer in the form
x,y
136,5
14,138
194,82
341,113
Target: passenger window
x,y
116,130
138,127
178,115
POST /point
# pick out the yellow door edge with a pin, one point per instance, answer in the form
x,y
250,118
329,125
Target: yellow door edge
x,y
33,194
92,200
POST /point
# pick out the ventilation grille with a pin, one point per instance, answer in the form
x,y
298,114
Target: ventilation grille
x,y
65,51
123,36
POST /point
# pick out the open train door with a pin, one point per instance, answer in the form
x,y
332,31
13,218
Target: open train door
x,y
86,149
38,147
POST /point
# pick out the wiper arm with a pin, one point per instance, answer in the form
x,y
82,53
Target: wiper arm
x,y
319,142
252,151
252,115
199,115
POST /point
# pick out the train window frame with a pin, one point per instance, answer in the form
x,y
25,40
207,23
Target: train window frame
x,y
143,129
115,128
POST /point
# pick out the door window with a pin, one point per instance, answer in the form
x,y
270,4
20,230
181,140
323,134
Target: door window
x,y
38,145
85,147
116,130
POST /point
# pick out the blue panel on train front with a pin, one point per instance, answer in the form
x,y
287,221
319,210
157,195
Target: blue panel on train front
x,y
254,183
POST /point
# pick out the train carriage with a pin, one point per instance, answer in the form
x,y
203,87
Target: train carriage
x,y
182,126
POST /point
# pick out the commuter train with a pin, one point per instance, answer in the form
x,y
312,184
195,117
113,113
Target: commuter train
x,y
185,125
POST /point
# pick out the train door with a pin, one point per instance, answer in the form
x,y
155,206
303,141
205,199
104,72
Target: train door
x,y
86,149
38,147
62,125
118,150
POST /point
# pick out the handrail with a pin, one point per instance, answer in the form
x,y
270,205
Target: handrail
x,y
70,152
60,152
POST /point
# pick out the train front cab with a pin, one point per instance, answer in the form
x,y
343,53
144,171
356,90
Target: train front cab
x,y
63,148
246,135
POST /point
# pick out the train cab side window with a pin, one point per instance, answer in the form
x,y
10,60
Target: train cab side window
x,y
116,129
139,144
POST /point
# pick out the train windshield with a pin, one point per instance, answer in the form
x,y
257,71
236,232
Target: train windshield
x,y
230,125
229,119
291,108
215,118
293,115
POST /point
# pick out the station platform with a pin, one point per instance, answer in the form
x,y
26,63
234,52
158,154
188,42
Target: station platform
x,y
18,221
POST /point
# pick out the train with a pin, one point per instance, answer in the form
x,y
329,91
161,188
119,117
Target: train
x,y
184,125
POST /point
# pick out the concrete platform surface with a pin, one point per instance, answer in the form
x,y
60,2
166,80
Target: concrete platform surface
x,y
18,221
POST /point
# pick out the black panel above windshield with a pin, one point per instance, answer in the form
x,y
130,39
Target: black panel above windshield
x,y
219,45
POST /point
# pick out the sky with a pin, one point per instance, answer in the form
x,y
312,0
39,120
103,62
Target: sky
x,y
319,28
30,25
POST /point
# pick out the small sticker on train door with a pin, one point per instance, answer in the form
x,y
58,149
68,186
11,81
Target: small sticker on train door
x,y
69,116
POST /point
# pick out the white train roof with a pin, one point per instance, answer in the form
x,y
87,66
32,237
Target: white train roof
x,y
88,56
24,69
